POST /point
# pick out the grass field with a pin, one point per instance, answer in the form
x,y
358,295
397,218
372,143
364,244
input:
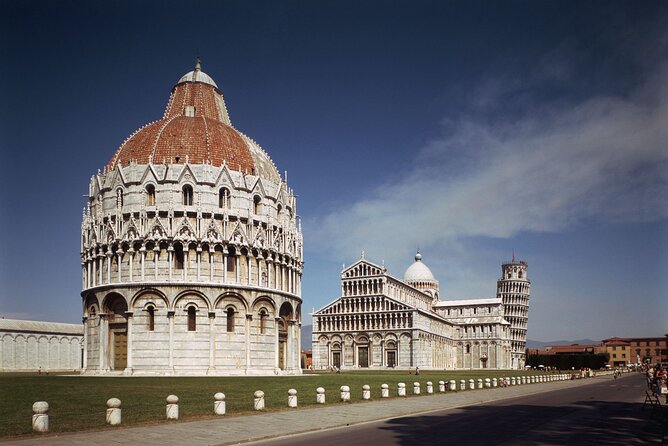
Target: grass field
x,y
79,403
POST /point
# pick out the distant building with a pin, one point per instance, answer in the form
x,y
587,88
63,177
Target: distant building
x,y
626,351
382,322
28,346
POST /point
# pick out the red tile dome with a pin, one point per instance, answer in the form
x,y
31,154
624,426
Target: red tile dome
x,y
195,129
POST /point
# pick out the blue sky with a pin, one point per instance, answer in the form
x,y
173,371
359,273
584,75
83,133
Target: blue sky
x,y
468,129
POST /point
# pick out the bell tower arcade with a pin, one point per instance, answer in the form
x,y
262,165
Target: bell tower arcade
x,y
513,289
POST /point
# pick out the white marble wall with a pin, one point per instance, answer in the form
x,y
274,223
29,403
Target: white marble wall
x,y
25,351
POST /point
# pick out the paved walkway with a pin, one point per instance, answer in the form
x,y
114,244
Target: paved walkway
x,y
241,429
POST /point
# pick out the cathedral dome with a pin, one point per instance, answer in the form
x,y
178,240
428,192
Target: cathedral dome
x,y
195,129
418,271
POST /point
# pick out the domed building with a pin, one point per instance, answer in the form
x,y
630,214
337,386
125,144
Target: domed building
x,y
420,276
191,249
381,322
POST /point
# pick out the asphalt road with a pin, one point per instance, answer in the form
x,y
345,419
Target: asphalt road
x,y
605,413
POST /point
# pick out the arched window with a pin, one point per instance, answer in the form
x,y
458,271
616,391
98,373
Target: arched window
x,y
150,311
178,256
192,321
263,321
224,198
468,348
119,197
150,195
257,204
230,319
187,195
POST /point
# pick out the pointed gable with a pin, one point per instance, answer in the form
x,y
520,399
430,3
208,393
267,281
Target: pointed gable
x,y
185,232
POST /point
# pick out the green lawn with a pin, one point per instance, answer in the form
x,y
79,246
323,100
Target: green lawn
x,y
79,403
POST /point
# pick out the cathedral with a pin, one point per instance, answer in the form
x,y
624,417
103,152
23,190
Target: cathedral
x,y
191,249
382,322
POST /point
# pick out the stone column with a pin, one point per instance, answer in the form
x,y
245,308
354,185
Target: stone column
x,y
84,320
198,255
103,337
276,341
119,261
156,253
212,265
131,252
142,259
128,368
170,317
225,265
237,260
247,326
109,254
212,340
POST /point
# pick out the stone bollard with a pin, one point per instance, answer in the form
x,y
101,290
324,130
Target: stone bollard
x,y
462,384
172,407
292,398
471,384
416,388
495,382
441,386
384,391
219,403
524,380
479,383
40,418
366,392
401,389
507,381
533,380
452,385
512,381
258,402
113,411
320,395
430,388
345,394
488,383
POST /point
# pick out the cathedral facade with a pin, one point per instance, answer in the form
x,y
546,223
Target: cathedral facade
x,y
191,249
382,322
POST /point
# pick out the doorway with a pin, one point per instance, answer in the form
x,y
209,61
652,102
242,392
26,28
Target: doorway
x,y
363,356
392,358
336,359
116,308
120,343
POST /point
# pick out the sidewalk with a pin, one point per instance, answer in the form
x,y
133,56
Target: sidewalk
x,y
240,429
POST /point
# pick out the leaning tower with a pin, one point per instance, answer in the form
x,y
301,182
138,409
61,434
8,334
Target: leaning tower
x,y
513,289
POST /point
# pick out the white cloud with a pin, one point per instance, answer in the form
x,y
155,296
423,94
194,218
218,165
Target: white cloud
x,y
604,158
